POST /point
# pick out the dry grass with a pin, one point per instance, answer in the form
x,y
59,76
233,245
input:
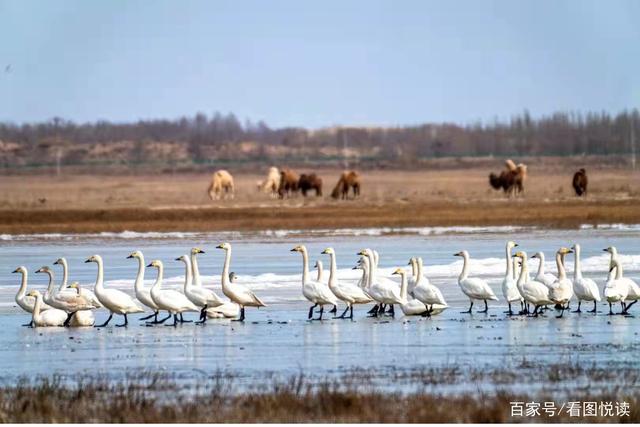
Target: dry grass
x,y
156,398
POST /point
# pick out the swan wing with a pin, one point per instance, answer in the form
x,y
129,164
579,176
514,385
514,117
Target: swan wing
x,y
52,317
413,308
228,310
477,288
429,294
318,292
119,302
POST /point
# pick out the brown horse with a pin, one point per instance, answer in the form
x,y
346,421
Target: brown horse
x,y
347,180
580,182
288,183
310,182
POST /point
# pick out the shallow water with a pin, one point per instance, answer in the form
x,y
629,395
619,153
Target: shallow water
x,y
278,339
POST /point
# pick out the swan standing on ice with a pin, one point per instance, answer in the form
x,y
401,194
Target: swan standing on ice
x,y
170,300
584,288
409,307
142,294
200,296
82,317
532,291
548,279
427,293
51,317
226,310
384,291
348,293
633,291
315,291
237,293
213,299
24,301
112,299
509,288
474,287
65,301
616,289
562,289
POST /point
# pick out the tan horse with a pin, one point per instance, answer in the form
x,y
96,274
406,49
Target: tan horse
x,y
347,180
271,184
221,185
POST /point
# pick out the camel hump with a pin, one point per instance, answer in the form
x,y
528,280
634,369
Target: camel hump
x,y
510,164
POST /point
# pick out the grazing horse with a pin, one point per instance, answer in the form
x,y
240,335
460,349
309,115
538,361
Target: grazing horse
x,y
580,182
347,180
221,185
271,183
310,182
288,183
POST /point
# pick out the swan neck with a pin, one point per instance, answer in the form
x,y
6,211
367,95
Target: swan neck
x,y
140,275
225,268
414,268
577,266
100,278
562,274
332,269
65,275
618,270
50,286
158,282
305,267
509,271
465,267
37,306
23,284
319,277
540,272
419,271
524,273
197,281
188,274
403,287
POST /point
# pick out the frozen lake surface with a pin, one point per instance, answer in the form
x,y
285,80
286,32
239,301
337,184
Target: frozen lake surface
x,y
278,339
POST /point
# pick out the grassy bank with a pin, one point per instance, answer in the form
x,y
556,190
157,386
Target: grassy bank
x,y
154,398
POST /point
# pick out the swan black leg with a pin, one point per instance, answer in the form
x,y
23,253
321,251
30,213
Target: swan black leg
x,y
242,314
203,319
561,311
628,306
486,308
184,321
126,321
595,306
69,316
105,323
374,310
175,321
30,324
334,310
344,313
321,311
154,315
610,309
311,311
468,311
161,320
509,312
577,310
351,312
535,311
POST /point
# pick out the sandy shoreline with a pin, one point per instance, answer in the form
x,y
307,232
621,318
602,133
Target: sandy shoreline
x,y
562,214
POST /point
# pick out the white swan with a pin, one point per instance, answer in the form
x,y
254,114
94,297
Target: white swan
x,y
428,294
411,307
548,279
237,293
65,301
474,287
616,289
633,293
411,281
226,310
584,288
112,299
143,294
170,300
51,317
509,288
25,302
213,300
562,289
88,294
348,293
314,291
533,291
200,296
383,290
82,317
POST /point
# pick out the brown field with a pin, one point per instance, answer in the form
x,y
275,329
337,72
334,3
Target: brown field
x,y
447,192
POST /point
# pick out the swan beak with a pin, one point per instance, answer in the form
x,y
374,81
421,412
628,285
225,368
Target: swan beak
x,y
201,251
353,268
150,265
515,245
611,269
219,247
130,256
361,253
323,252
88,260
16,271
56,262
534,256
606,250
458,254
178,259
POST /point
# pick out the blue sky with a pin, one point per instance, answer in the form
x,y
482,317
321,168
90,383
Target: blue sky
x,y
319,63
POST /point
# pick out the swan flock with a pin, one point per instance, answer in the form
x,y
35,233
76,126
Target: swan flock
x,y
71,305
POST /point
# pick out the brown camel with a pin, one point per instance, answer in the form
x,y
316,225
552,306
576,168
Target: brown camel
x,y
288,183
511,180
310,182
580,182
347,180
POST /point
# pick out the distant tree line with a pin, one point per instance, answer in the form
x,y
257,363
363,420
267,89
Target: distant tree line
x,y
203,138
